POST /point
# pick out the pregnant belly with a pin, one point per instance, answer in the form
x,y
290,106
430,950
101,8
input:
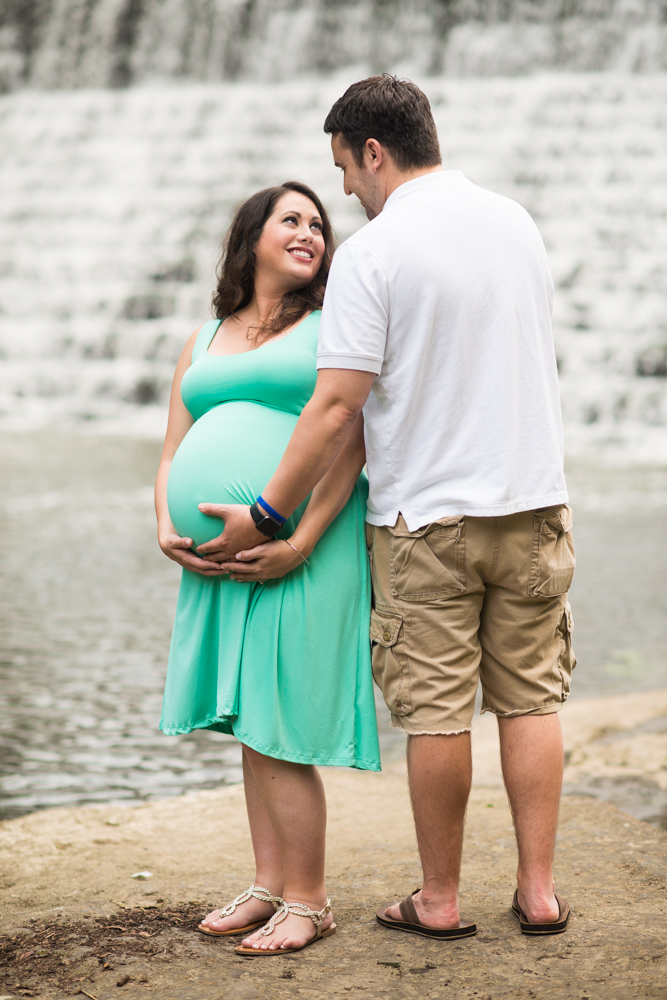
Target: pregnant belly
x,y
227,456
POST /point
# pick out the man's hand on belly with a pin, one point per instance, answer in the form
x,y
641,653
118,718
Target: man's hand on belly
x,y
239,532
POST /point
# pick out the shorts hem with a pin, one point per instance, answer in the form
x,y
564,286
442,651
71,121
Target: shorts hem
x,y
430,732
540,710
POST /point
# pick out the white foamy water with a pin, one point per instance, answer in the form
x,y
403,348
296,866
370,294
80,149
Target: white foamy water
x,y
67,43
113,203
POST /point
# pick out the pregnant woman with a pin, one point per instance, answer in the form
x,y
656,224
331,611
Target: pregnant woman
x,y
273,649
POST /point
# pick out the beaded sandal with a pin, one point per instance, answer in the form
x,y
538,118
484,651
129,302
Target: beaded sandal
x,y
254,890
282,912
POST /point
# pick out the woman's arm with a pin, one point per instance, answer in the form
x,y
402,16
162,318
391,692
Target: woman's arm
x,y
274,559
178,425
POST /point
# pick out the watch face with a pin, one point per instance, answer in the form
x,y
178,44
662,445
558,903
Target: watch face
x,y
263,522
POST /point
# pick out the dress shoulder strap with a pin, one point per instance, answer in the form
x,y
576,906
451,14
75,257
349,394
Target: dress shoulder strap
x,y
204,338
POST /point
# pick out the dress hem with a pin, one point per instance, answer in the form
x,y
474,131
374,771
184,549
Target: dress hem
x,y
301,759
361,765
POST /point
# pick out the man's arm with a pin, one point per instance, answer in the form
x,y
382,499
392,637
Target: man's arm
x,y
320,433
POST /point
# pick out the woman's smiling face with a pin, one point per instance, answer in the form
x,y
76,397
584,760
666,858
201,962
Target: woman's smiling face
x,y
291,246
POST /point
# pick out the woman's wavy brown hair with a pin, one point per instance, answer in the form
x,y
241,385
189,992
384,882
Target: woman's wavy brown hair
x,y
236,268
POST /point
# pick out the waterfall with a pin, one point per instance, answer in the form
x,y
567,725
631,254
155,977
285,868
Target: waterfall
x,y
113,204
113,43
131,128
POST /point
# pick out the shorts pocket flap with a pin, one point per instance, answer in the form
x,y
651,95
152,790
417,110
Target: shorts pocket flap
x,y
567,621
558,518
385,630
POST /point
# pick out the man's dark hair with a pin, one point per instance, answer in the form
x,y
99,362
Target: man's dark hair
x,y
395,112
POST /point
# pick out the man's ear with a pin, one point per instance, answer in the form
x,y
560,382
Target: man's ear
x,y
374,154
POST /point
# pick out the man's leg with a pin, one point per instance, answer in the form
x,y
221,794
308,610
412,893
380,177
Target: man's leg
x,y
440,773
531,752
428,670
527,662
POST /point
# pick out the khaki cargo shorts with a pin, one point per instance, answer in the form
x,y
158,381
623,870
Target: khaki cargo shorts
x,y
467,599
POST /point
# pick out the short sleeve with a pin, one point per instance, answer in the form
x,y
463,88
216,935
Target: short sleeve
x,y
353,328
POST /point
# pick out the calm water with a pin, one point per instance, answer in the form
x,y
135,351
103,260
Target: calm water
x,y
87,602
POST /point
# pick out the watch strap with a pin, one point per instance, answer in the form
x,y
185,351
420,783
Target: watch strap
x,y
267,525
269,510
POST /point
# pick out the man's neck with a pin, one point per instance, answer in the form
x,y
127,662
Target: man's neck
x,y
395,178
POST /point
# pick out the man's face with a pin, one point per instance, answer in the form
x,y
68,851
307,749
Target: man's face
x,y
361,181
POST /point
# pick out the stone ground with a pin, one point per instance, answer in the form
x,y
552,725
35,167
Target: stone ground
x,y
73,921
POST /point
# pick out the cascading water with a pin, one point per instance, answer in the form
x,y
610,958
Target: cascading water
x,y
70,43
113,201
112,205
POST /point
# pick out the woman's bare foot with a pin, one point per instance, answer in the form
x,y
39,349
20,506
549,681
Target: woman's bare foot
x,y
293,932
244,915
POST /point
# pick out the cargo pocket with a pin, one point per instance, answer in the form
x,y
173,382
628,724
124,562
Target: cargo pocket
x,y
429,564
552,555
390,664
567,661
369,545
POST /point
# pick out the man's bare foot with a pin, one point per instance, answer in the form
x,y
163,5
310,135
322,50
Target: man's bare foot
x,y
293,932
431,913
244,915
539,905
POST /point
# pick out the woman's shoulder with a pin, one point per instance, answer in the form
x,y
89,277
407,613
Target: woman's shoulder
x,y
203,338
309,328
312,320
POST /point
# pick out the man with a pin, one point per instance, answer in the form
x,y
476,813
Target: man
x,y
437,322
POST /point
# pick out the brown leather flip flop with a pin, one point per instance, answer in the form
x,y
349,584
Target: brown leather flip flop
x,y
552,927
413,925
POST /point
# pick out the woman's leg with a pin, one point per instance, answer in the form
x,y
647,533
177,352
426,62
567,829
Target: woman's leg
x,y
294,799
268,862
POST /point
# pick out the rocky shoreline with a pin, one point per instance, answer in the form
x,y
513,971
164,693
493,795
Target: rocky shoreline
x,y
74,921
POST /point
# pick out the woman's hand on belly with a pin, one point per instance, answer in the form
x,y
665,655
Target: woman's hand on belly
x,y
268,561
180,550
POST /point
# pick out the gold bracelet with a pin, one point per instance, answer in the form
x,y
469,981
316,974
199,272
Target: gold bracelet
x,y
297,551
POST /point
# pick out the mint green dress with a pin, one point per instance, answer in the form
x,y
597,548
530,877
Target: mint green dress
x,y
284,666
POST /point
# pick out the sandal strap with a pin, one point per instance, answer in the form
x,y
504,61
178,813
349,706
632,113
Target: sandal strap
x,y
259,892
299,910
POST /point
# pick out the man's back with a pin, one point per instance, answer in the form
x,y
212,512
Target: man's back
x,y
447,296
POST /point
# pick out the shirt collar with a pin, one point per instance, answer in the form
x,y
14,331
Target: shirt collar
x,y
447,178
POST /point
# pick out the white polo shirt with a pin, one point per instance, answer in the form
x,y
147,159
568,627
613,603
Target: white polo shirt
x,y
447,297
